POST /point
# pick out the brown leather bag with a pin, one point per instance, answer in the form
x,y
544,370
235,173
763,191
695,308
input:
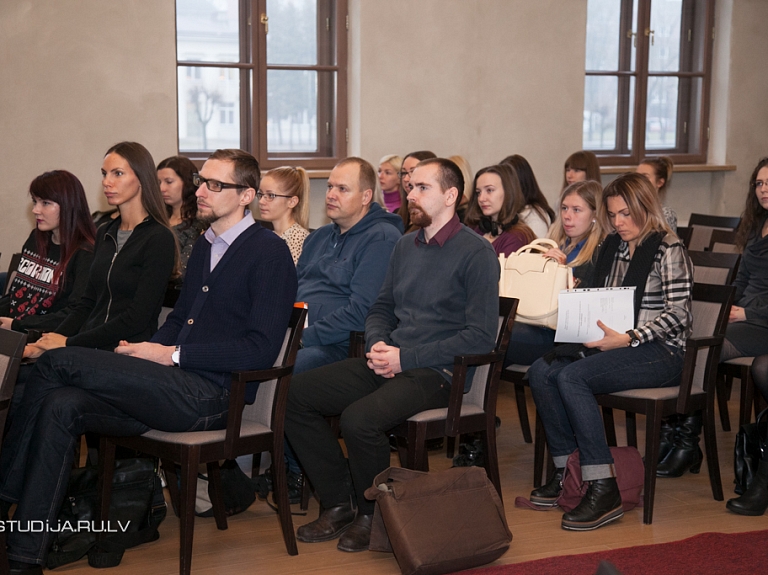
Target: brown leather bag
x,y
438,522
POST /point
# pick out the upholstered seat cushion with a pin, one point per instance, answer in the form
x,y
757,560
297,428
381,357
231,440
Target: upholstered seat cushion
x,y
437,414
247,429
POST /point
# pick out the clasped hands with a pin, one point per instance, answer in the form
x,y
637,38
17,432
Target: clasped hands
x,y
384,360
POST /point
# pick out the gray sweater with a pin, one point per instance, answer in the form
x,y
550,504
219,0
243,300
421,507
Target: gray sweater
x,y
437,302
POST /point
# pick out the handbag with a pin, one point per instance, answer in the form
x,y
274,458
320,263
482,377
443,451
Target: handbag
x,y
749,450
438,522
137,507
536,281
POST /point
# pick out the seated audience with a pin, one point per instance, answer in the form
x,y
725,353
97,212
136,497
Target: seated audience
x,y
389,180
747,331
409,164
578,234
439,299
175,175
659,172
643,253
177,382
284,200
55,259
494,210
537,213
580,167
134,257
466,171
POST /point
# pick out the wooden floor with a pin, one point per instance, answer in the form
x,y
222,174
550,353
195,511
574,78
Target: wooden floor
x,y
253,543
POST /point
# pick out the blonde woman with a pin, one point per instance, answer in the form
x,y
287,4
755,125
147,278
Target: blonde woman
x,y
389,180
284,200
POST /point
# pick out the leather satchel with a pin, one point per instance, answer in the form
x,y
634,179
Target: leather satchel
x,y
749,450
536,281
438,522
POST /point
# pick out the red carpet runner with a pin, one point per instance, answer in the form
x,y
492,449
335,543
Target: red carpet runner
x,y
705,554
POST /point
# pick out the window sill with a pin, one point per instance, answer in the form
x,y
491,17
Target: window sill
x,y
318,174
679,168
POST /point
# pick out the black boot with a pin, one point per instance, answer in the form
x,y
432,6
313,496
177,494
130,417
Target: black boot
x,y
755,499
547,494
667,439
686,453
600,505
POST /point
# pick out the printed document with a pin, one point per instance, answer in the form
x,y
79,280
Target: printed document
x,y
579,310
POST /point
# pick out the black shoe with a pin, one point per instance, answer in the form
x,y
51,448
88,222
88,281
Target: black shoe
x,y
19,568
547,494
686,453
331,524
755,498
600,505
667,438
262,484
470,454
358,536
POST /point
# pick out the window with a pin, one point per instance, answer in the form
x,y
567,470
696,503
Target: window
x,y
268,76
646,90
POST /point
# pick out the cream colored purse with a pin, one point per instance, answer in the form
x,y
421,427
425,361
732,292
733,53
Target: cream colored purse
x,y
536,281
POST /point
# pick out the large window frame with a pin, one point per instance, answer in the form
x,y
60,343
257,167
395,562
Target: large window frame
x,y
692,118
253,69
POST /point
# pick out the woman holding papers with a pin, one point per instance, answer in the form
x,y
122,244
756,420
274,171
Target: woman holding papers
x,y
642,253
578,234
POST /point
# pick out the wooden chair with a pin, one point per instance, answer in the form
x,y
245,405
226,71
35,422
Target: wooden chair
x,y
471,412
11,349
515,375
723,241
714,268
250,429
684,233
711,304
702,226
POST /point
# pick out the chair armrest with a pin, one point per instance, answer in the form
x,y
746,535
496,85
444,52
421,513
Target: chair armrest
x,y
699,342
243,377
477,359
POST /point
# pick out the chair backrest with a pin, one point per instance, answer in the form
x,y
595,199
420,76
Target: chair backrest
x,y
684,233
723,222
723,241
710,307
483,377
11,350
12,271
262,410
714,268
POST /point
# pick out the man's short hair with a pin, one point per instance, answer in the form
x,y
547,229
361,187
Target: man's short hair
x,y
246,172
368,178
448,174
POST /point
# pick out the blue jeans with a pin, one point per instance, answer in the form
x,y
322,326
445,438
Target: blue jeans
x,y
565,391
527,343
74,390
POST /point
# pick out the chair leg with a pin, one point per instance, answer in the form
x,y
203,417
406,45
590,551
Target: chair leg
x,y
488,438
538,452
610,427
190,461
280,487
106,472
652,440
522,412
450,447
417,447
710,446
172,482
631,426
722,392
215,494
747,392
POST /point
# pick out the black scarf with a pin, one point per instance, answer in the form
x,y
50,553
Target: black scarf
x,y
637,275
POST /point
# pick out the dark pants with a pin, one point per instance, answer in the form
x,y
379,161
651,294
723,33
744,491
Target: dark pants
x,y
369,406
74,390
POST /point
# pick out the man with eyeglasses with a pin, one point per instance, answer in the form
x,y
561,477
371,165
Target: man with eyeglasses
x,y
231,315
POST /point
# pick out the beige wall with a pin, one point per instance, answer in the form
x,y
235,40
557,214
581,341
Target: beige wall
x,y
482,78
79,76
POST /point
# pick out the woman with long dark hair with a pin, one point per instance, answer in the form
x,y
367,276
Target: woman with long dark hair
x,y
55,260
581,166
134,257
537,213
659,172
178,191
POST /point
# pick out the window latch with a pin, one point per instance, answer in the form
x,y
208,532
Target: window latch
x,y
265,20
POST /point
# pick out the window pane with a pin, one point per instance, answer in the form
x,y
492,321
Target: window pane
x,y
631,125
664,53
291,111
603,34
207,31
209,108
292,37
600,100
661,113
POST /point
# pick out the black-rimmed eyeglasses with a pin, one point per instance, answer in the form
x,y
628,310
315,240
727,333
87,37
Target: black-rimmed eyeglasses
x,y
214,185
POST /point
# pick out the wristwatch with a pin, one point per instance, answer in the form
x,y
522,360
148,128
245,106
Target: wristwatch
x,y
175,356
634,341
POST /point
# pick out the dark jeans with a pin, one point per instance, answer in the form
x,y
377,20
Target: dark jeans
x,y
527,343
369,406
74,390
565,391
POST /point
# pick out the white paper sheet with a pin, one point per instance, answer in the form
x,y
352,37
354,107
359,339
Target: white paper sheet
x,y
579,310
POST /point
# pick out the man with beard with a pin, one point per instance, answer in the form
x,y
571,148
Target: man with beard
x,y
439,299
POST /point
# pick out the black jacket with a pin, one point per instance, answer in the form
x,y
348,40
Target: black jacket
x,y
125,290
